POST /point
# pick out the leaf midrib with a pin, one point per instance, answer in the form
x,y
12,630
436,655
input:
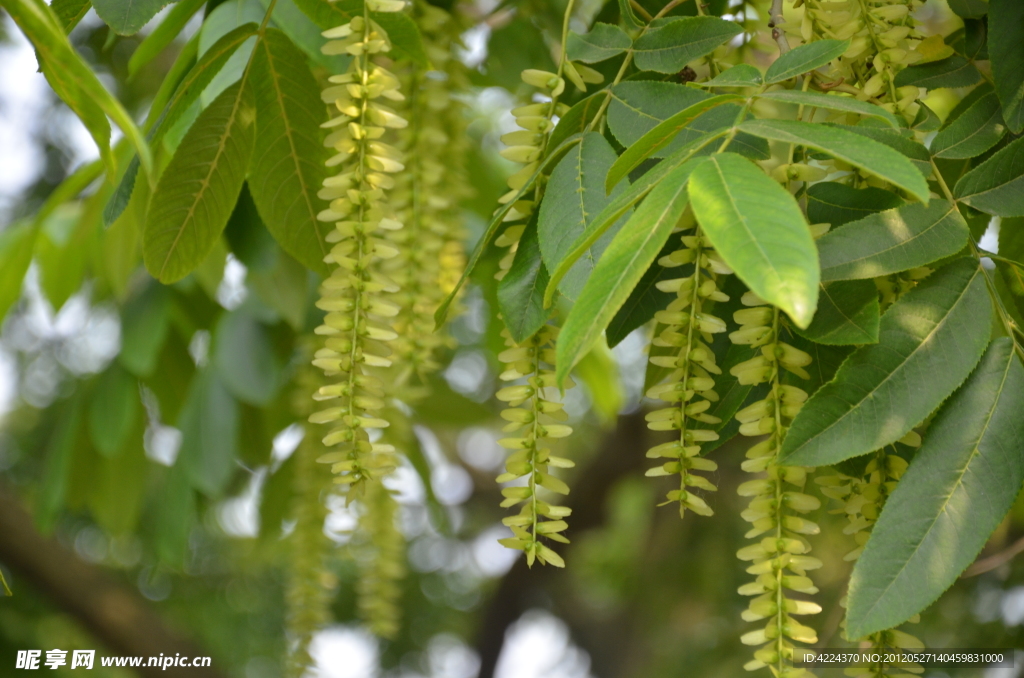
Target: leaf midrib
x,y
959,481
897,368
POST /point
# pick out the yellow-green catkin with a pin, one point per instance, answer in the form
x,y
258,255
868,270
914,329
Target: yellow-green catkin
x,y
527,147
534,418
686,328
427,195
778,557
355,296
382,567
310,582
884,39
862,499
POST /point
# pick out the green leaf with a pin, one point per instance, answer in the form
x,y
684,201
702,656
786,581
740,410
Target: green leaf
x,y
661,135
70,12
995,186
637,107
830,202
916,152
118,486
66,234
209,434
758,229
971,134
287,166
602,42
832,102
959,486
853,149
240,343
628,17
197,191
492,228
163,35
113,410
73,80
954,71
622,266
144,322
804,59
928,342
521,291
577,119
969,9
740,75
305,35
891,241
618,206
284,287
186,94
126,17
646,299
670,46
401,29
17,242
1006,54
574,195
848,314
58,459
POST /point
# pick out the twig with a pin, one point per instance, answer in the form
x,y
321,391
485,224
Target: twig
x,y
775,21
994,561
639,9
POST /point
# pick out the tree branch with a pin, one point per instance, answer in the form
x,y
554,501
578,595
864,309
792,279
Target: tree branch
x,y
116,615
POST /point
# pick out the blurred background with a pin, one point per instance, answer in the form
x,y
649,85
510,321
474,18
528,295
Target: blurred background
x,y
146,434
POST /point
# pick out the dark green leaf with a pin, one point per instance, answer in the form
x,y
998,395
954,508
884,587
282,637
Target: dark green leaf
x,y
602,42
915,151
830,202
624,263
954,71
1006,53
832,102
628,17
758,229
662,135
957,490
996,186
144,322
198,190
977,130
969,8
287,166
113,410
929,341
521,291
126,17
670,46
892,241
209,434
574,195
848,314
245,359
804,59
870,156
285,288
60,450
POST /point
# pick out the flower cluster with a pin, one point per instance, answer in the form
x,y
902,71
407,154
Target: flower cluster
x,y
379,586
534,416
427,196
687,331
527,146
356,326
883,41
779,558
